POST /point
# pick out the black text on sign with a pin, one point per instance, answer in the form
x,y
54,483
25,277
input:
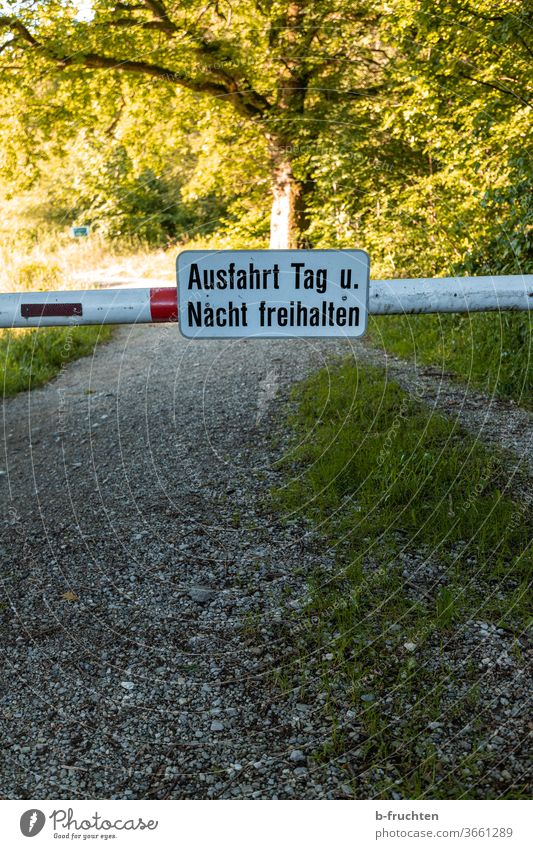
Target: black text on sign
x,y
272,293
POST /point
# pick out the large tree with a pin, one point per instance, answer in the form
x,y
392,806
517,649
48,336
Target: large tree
x,y
280,64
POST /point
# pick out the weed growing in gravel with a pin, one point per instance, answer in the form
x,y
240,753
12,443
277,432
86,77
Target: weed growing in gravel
x,y
431,546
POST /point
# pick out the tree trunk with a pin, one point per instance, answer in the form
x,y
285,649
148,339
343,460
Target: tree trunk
x,y
289,217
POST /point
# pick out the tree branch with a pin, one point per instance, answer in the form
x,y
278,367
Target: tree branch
x,y
352,93
7,44
101,62
18,26
158,9
502,89
524,42
131,23
126,7
245,100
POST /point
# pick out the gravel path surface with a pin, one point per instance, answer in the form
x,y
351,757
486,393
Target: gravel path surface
x,y
135,565
148,598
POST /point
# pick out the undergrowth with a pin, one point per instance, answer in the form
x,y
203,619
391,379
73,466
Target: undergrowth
x,y
29,358
400,492
489,351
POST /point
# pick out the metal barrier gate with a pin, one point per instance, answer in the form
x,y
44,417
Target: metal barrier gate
x,y
151,305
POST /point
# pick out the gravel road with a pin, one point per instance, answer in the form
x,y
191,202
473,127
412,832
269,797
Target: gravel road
x,y
145,588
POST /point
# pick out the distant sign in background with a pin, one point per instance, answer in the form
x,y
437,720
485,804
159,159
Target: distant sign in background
x,y
80,232
276,293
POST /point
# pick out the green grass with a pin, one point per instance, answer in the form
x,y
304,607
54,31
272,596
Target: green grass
x,y
490,351
386,480
29,358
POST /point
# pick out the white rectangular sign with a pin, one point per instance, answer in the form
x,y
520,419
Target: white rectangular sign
x,y
276,293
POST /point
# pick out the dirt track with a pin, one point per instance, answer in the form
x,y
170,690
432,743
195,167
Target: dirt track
x,y
131,482
145,588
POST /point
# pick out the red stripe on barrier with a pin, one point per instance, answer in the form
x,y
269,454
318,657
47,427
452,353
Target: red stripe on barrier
x,y
164,304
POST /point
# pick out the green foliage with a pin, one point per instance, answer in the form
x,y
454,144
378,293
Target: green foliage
x,y
29,358
120,203
401,493
407,127
508,248
396,468
492,351
489,351
438,181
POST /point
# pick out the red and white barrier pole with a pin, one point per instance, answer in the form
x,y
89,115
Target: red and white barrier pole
x,y
142,306
89,306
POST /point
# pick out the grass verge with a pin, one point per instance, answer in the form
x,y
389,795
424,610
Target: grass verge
x,y
490,351
29,358
415,638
